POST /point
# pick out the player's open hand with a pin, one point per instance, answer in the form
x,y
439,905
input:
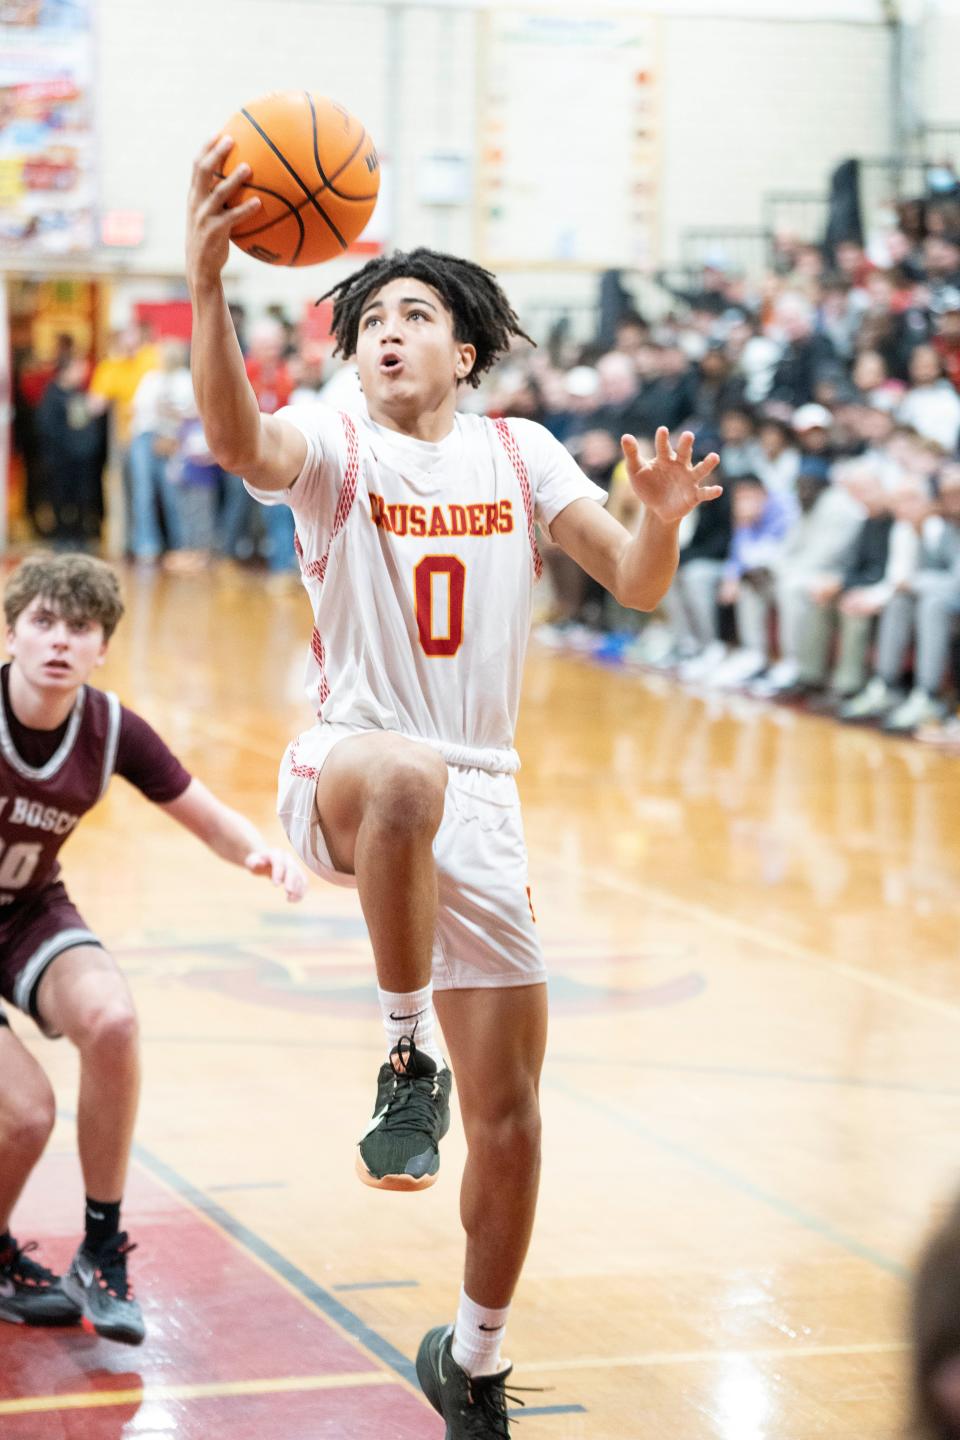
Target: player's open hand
x,y
670,485
209,222
281,868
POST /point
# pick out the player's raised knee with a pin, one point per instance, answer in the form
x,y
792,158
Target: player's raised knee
x,y
408,790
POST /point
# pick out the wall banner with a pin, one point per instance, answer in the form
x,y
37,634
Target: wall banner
x,y
47,128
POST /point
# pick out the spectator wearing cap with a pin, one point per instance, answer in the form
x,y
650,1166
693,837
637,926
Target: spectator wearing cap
x,y
923,586
813,427
932,405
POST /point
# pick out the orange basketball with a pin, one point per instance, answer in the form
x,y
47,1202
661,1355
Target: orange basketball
x,y
315,172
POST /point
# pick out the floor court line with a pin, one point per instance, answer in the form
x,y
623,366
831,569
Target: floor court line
x,y
280,1267
248,1185
104,1399
727,1176
378,1285
786,949
314,1294
708,1357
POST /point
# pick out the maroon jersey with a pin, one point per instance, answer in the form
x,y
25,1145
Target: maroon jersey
x,y
49,780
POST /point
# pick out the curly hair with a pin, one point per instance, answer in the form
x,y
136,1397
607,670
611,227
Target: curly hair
x,y
482,315
77,586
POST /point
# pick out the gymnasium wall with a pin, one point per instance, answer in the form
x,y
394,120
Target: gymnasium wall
x,y
171,71
938,43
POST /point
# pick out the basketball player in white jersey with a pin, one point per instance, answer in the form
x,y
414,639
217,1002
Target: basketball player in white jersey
x,y
416,533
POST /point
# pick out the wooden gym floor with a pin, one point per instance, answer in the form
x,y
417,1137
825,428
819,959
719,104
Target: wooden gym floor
x,y
751,1096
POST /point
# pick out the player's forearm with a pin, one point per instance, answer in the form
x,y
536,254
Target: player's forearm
x,y
232,836
648,564
225,399
226,832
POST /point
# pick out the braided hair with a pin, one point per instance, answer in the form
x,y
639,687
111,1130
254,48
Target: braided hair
x,y
482,315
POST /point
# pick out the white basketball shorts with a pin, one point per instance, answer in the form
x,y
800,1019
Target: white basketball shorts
x,y
486,935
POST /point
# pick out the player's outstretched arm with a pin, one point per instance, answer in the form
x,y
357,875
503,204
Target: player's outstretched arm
x,y
637,570
264,450
232,837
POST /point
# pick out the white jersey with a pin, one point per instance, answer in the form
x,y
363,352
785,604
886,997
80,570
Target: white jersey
x,y
420,561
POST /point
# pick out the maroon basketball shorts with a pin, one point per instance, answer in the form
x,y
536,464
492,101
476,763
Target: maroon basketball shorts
x,y
33,932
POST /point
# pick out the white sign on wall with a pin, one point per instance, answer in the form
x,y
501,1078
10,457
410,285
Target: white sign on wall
x,y
568,139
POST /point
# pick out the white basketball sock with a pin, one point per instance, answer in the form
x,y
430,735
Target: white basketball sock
x,y
411,1014
478,1336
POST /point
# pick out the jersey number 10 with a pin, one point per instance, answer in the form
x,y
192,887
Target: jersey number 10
x,y
433,575
18,864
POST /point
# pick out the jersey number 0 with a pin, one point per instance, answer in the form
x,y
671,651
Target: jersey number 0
x,y
433,575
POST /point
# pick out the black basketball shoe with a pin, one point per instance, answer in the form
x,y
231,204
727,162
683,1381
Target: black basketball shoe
x,y
30,1294
400,1148
474,1407
97,1282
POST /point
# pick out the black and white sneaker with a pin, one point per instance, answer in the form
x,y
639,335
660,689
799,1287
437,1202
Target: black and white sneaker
x,y
30,1294
474,1406
97,1282
400,1148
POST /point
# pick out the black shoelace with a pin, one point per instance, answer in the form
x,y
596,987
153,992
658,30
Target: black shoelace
x,y
112,1265
413,1106
24,1271
487,1418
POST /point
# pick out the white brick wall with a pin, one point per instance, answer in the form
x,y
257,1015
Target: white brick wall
x,y
751,106
938,99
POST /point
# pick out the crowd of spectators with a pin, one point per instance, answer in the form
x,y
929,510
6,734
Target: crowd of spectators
x,y
829,572
180,509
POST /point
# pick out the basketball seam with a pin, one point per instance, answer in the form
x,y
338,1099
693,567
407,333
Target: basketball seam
x,y
296,209
292,211
288,167
328,181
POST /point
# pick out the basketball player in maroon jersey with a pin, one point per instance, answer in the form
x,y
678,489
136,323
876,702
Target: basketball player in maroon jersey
x,y
61,740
